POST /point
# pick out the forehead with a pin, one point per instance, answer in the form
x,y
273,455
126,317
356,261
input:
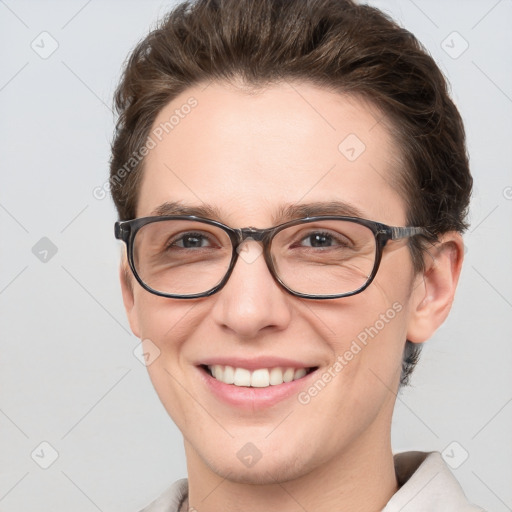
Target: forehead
x,y
247,156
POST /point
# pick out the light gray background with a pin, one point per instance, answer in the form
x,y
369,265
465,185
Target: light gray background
x,y
68,374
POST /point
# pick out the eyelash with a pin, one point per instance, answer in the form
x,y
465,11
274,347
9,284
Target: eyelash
x,y
203,236
183,236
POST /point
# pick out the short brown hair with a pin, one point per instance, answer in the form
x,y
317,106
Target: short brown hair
x,y
335,44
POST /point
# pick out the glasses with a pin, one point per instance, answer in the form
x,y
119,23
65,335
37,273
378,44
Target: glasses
x,y
322,257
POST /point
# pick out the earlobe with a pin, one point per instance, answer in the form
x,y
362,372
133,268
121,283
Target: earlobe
x,y
434,291
128,296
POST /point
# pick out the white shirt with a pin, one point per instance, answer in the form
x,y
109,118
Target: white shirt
x,y
426,484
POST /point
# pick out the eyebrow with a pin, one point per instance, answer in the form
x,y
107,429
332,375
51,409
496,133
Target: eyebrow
x,y
283,214
178,208
300,210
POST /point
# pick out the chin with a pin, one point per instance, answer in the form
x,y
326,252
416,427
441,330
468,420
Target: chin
x,y
272,468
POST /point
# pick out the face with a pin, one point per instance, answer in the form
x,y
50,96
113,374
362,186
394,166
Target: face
x,y
248,156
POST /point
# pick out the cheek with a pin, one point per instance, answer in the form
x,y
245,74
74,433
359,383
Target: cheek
x,y
370,337
360,383
367,334
165,324
381,343
160,317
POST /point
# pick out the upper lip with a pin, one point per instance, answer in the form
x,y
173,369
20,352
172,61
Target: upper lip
x,y
255,363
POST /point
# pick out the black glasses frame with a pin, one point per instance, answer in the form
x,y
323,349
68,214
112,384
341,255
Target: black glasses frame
x,y
126,231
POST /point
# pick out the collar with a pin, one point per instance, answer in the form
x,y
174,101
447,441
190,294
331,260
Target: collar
x,y
426,484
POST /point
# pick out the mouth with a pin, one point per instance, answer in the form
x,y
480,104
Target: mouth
x,y
258,378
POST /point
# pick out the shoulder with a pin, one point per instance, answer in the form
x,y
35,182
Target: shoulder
x,y
171,499
427,485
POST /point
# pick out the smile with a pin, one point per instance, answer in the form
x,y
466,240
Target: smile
x,y
259,378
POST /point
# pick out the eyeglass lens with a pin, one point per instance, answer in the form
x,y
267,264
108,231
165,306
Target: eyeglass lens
x,y
185,257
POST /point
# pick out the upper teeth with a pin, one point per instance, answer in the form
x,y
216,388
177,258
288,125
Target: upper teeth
x,y
260,378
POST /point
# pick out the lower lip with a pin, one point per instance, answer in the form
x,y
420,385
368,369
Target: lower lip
x,y
254,398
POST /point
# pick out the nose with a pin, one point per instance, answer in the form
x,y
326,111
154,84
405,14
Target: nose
x,y
251,302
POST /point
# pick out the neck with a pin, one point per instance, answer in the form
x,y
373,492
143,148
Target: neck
x,y
360,478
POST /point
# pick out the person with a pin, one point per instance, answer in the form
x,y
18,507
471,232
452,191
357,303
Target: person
x,y
292,184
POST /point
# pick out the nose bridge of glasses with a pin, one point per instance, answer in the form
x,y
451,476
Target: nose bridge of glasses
x,y
250,233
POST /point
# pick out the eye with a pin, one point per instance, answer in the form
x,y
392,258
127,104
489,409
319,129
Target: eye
x,y
319,239
190,240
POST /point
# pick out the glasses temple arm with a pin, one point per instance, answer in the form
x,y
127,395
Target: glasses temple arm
x,y
406,232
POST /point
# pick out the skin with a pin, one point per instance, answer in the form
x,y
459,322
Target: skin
x,y
249,154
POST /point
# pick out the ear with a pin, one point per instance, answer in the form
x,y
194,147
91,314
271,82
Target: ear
x,y
434,289
126,279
